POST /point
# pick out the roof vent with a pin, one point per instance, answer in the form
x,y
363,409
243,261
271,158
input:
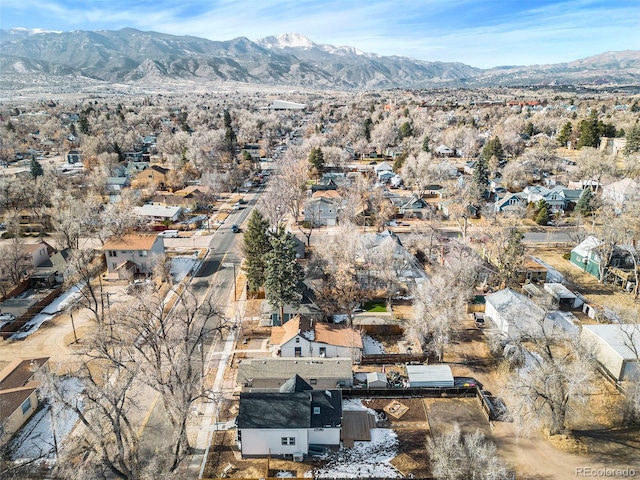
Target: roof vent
x,y
328,393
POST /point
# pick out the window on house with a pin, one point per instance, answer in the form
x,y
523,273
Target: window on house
x,y
144,253
297,339
26,405
112,253
323,351
316,410
313,381
288,440
297,352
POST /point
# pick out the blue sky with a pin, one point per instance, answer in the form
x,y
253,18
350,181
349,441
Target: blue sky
x,y
482,33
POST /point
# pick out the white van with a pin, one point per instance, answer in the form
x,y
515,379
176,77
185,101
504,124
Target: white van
x,y
169,234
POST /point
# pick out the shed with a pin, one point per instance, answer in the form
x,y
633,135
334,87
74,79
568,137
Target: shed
x,y
429,375
376,380
566,299
616,346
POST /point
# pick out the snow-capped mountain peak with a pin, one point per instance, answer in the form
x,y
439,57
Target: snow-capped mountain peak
x,y
286,40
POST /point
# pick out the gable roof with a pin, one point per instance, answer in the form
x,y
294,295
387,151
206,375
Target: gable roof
x,y
290,410
283,368
514,307
624,339
295,384
328,333
131,242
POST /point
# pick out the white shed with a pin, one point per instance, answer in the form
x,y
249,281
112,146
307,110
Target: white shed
x,y
513,313
376,380
430,375
617,348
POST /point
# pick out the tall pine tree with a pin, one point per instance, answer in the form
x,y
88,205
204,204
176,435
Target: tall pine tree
x,y
255,248
283,274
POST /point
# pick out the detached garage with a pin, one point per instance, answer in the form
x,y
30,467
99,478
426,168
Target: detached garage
x,y
616,346
429,376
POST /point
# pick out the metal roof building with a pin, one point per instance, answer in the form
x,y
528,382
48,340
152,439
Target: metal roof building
x,y
429,375
617,348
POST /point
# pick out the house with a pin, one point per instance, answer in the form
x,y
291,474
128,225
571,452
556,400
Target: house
x,y
35,254
302,336
74,156
53,270
279,105
617,347
510,202
321,211
411,207
132,254
429,376
512,313
114,187
621,191
158,213
307,306
269,374
588,256
287,423
444,151
19,382
613,145
564,298
558,198
382,167
532,271
154,175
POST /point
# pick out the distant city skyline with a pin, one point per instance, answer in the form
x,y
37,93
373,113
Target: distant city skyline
x,y
480,33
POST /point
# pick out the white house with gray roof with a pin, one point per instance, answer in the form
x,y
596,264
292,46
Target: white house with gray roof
x,y
617,348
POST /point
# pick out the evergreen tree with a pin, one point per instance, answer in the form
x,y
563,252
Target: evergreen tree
x,y
255,248
480,178
511,257
632,144
84,124
36,168
565,134
584,205
405,130
530,129
316,159
590,132
366,128
542,213
283,273
230,139
425,144
493,148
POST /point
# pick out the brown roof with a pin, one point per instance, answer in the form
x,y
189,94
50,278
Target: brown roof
x,y
18,373
328,333
530,264
130,242
327,194
10,400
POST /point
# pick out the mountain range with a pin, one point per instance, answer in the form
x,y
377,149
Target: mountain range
x,y
133,56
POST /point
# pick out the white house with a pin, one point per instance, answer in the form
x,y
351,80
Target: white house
x,y
132,254
512,313
304,337
617,348
158,213
321,211
382,167
285,424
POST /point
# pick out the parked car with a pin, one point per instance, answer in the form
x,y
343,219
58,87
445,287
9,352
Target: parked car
x,y
235,228
237,206
478,318
466,382
169,234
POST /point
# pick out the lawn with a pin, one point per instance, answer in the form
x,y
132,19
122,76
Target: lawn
x,y
375,306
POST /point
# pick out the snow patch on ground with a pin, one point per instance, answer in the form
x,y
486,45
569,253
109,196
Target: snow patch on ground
x,y
355,405
35,439
371,346
365,459
182,266
50,311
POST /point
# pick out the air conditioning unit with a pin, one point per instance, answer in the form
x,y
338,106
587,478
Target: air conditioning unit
x,y
298,457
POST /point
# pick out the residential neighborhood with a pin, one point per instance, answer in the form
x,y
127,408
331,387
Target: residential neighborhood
x,y
309,284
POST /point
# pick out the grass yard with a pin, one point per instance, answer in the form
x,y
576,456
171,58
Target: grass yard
x,y
374,306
